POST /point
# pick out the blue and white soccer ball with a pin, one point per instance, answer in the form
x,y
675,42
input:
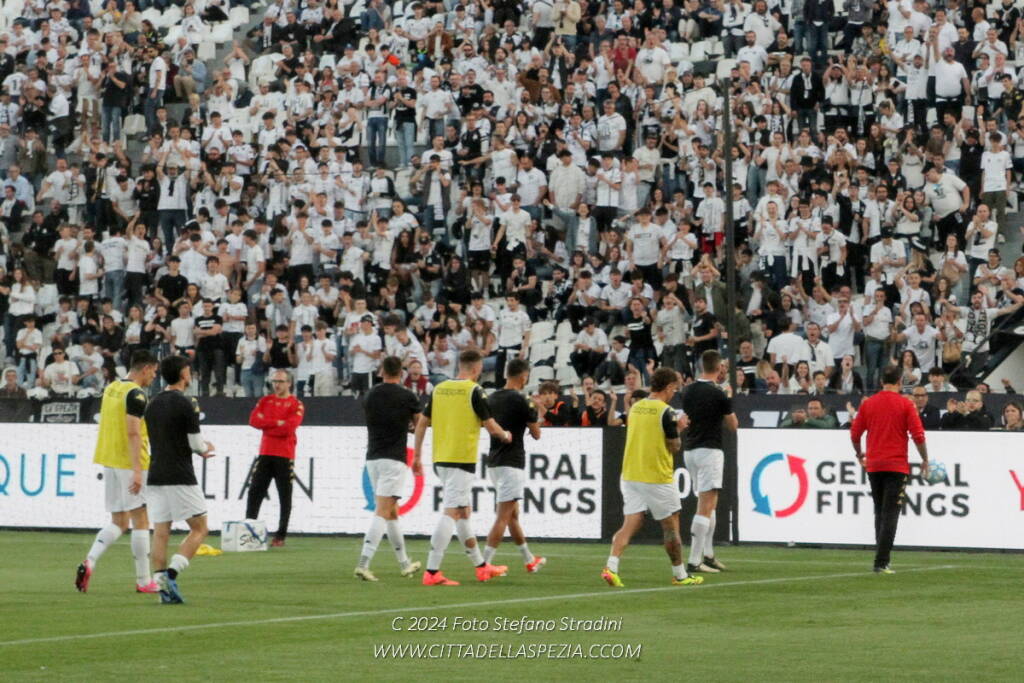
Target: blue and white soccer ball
x,y
936,473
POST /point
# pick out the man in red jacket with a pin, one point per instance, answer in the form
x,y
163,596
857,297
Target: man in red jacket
x,y
277,416
888,417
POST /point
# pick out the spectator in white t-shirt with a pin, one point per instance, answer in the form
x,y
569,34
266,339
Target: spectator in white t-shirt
x,y
920,339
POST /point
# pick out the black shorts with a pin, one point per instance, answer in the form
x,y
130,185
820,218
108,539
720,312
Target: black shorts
x,y
480,260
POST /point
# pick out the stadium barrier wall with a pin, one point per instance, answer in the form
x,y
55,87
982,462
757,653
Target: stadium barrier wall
x,y
805,486
48,480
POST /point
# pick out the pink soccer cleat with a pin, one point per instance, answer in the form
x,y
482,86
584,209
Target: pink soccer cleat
x,y
82,576
150,587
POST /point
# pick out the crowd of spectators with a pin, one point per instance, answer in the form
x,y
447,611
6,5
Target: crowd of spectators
x,y
346,181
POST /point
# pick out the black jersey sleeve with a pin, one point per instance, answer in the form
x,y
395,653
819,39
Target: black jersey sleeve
x,y
480,406
669,424
412,403
531,412
135,403
193,416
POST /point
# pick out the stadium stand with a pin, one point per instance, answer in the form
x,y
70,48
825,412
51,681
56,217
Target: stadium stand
x,y
174,171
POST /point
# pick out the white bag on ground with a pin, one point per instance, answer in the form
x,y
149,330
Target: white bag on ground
x,y
243,536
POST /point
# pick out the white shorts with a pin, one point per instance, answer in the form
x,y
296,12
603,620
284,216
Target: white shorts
x,y
639,496
118,497
388,477
456,486
509,483
175,503
705,466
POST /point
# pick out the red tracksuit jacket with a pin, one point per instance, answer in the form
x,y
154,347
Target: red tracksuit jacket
x,y
277,439
888,418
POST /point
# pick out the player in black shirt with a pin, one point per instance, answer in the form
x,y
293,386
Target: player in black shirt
x,y
390,410
172,421
506,462
707,409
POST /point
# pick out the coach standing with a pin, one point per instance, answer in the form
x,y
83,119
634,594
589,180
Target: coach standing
x,y
277,416
888,417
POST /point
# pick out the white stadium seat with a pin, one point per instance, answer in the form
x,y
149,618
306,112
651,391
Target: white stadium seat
x,y
566,375
541,331
541,373
542,351
222,33
239,16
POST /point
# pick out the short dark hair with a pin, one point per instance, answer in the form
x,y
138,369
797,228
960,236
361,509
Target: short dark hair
x,y
663,378
710,360
391,366
516,367
143,359
549,388
172,367
470,357
891,374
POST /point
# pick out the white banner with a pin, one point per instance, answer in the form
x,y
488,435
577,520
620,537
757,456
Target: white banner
x,y
805,486
48,480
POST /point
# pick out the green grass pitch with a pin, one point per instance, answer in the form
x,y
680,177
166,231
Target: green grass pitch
x,y
297,614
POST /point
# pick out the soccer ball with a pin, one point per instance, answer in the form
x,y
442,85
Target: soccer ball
x,y
936,473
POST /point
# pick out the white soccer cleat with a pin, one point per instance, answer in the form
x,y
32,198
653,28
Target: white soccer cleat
x,y
364,574
411,569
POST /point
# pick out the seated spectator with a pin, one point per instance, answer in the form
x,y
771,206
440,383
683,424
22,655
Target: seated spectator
x,y
554,411
929,414
10,387
90,364
937,381
820,384
596,412
416,382
443,360
61,375
1013,417
814,416
847,380
966,416
590,348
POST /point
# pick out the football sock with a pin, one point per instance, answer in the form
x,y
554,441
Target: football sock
x,y
397,541
679,571
489,554
699,529
140,551
179,563
524,550
372,540
104,539
613,563
465,532
709,539
439,542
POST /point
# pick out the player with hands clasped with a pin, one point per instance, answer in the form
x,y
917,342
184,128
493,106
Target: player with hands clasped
x,y
506,462
456,410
